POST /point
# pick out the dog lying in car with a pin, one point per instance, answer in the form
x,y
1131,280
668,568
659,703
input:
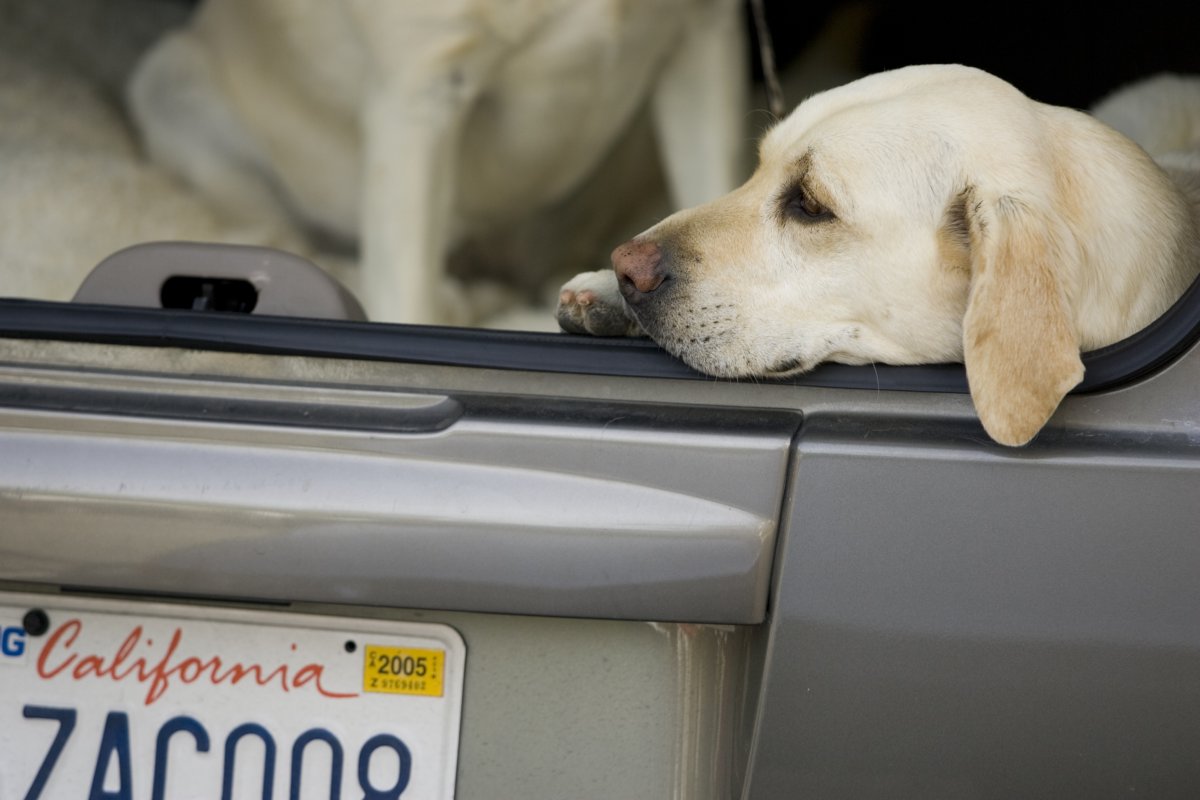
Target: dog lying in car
x,y
928,214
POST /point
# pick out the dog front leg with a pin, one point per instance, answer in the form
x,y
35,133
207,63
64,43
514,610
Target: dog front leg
x,y
410,151
700,104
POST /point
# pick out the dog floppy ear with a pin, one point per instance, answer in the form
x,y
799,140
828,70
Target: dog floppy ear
x,y
1020,345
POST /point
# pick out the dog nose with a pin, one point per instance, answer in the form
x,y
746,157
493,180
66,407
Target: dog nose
x,y
639,268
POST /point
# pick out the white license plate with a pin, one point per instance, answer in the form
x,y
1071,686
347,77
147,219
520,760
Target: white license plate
x,y
142,701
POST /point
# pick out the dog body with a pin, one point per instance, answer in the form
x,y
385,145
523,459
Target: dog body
x,y
927,214
408,127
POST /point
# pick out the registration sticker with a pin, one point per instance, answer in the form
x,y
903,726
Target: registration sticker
x,y
403,670
142,701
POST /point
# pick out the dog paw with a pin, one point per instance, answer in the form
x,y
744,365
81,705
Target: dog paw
x,y
591,303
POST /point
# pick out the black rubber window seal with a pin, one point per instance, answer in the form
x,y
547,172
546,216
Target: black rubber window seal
x,y
1114,365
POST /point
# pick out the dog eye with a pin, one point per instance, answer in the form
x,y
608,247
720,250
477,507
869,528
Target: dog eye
x,y
802,206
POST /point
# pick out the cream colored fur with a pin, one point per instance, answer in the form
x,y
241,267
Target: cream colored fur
x,y
964,222
74,185
409,127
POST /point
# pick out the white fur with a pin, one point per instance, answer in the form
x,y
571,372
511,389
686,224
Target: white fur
x,y
409,127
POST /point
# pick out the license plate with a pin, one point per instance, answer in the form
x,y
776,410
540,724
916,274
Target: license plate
x,y
140,701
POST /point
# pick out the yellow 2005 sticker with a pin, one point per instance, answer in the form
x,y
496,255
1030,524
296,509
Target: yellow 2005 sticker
x,y
403,670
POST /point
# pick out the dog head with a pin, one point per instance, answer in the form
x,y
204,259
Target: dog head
x,y
928,214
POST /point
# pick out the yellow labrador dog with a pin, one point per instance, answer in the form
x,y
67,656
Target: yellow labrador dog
x,y
927,214
405,126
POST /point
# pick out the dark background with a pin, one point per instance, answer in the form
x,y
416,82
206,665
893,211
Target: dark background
x,y
1068,54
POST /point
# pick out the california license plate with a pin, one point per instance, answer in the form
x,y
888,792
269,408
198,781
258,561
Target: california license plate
x,y
140,701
